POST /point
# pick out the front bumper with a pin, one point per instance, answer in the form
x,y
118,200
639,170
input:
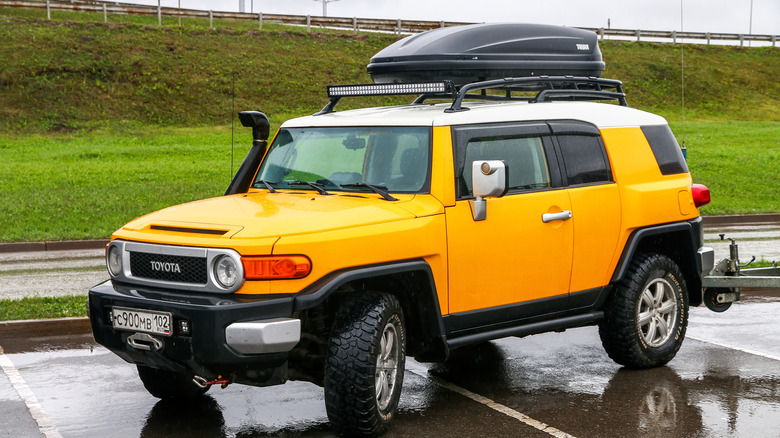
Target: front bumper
x,y
246,339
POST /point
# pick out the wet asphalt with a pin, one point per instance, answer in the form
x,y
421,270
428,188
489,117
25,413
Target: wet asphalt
x,y
724,382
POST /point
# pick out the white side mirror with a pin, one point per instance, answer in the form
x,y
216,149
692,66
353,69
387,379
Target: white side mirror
x,y
488,179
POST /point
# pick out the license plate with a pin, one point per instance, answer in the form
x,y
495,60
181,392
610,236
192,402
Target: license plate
x,y
146,321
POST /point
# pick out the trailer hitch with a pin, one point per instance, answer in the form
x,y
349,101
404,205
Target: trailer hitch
x,y
204,383
723,285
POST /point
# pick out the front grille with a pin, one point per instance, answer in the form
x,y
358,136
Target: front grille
x,y
179,269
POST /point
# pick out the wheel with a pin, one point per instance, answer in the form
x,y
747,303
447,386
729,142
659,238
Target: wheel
x,y
364,370
711,299
647,314
169,385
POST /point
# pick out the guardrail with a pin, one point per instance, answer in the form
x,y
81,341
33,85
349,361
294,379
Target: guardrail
x,y
355,24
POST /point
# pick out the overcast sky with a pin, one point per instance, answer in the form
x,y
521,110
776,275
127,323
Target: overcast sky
x,y
728,16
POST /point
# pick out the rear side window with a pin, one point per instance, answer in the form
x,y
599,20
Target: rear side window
x,y
584,159
666,150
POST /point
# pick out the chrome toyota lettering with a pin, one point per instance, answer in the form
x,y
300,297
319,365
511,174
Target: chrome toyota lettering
x,y
165,267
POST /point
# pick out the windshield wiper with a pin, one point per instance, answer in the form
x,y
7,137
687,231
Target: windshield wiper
x,y
379,190
315,186
267,185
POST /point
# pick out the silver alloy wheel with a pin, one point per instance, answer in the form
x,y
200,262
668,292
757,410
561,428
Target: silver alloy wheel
x,y
657,311
386,366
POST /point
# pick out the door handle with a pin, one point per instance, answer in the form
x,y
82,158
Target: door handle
x,y
562,216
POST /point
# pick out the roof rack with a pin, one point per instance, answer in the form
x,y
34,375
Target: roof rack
x,y
549,88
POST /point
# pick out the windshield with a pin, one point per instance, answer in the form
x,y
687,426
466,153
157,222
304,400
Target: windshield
x,y
395,159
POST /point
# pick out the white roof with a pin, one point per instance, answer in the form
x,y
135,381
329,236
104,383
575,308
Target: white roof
x,y
600,114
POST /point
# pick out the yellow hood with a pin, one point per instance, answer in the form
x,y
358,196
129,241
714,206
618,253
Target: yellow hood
x,y
263,215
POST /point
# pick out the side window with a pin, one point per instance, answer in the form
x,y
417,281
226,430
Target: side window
x,y
525,158
584,159
665,148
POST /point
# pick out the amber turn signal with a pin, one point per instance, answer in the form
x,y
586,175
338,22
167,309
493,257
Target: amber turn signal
x,y
276,267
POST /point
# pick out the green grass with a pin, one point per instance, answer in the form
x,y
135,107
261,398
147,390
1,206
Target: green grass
x,y
86,184
43,307
100,124
738,161
63,75
75,72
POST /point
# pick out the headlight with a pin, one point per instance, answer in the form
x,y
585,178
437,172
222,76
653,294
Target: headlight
x,y
225,271
114,260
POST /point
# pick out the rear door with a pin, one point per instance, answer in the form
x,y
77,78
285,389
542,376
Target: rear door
x,y
595,206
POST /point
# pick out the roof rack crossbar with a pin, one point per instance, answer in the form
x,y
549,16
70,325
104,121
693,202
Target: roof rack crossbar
x,y
595,86
550,95
491,97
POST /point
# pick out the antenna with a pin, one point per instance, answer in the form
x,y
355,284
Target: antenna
x,y
682,79
232,119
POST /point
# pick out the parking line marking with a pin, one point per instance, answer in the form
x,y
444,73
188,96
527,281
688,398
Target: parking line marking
x,y
744,350
423,372
45,425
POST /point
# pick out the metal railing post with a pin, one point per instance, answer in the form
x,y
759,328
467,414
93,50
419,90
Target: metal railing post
x,y
259,21
638,35
441,24
159,14
48,10
674,37
308,23
398,27
179,12
354,25
774,40
601,33
211,19
741,40
708,38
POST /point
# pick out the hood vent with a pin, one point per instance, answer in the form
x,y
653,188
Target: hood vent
x,y
188,230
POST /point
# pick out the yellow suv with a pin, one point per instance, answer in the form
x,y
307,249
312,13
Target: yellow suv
x,y
359,237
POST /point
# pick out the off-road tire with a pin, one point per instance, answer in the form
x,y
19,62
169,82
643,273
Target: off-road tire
x,y
654,286
352,371
169,385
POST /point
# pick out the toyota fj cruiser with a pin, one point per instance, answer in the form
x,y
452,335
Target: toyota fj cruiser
x,y
502,202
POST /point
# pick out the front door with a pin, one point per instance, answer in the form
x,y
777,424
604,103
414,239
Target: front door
x,y
513,256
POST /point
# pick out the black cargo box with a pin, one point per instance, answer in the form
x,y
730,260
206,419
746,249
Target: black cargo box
x,y
478,52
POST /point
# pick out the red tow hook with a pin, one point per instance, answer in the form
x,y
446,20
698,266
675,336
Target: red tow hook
x,y
203,383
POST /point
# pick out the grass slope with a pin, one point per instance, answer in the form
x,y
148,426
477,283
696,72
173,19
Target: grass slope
x,y
65,74
101,123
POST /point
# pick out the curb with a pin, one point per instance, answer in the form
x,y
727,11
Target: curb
x,y
35,328
57,245
741,219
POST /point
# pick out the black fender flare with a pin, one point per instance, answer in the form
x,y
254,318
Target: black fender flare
x,y
687,260
424,305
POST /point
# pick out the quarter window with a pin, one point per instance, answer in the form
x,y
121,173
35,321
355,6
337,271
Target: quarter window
x,y
666,150
584,159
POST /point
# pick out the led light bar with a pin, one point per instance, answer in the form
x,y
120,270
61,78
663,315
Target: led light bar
x,y
390,89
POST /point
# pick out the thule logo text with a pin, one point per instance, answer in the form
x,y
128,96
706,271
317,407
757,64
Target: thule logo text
x,y
165,267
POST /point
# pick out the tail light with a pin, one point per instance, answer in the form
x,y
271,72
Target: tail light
x,y
701,194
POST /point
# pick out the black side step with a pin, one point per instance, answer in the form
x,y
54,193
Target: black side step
x,y
528,329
